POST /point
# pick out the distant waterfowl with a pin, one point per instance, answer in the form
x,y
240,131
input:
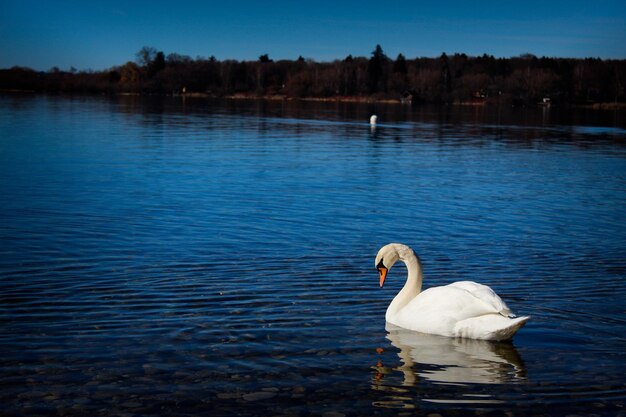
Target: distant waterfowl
x,y
461,309
373,120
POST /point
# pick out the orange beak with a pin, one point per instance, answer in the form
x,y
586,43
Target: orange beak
x,y
383,274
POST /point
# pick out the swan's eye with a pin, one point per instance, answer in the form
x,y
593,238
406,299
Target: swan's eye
x,y
381,264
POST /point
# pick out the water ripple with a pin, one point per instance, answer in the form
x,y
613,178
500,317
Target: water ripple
x,y
179,257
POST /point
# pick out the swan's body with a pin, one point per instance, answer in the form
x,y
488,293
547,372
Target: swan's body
x,y
461,309
373,120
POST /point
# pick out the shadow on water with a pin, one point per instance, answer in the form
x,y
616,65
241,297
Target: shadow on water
x,y
387,113
428,363
449,125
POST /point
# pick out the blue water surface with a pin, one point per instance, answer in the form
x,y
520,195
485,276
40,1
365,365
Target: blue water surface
x,y
188,256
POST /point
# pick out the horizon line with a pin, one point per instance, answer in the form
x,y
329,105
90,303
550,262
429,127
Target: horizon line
x,y
527,55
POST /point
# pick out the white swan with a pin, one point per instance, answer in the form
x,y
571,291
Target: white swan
x,y
373,120
461,309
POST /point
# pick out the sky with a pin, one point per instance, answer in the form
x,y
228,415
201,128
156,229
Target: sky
x,y
97,35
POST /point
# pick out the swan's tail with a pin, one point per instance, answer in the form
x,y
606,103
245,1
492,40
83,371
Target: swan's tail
x,y
490,327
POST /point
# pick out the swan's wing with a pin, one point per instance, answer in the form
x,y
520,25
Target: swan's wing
x,y
464,309
447,303
486,295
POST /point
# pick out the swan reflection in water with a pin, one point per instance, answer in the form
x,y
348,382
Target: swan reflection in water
x,y
435,362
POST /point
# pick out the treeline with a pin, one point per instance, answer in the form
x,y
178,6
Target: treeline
x,y
456,78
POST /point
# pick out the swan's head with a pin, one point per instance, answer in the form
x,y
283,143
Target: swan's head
x,y
387,256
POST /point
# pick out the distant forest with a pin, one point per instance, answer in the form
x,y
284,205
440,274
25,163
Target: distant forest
x,y
458,78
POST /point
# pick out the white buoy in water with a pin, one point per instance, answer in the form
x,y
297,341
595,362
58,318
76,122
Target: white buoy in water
x,y
373,120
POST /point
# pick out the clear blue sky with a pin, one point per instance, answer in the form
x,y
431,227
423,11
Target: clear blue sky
x,y
101,34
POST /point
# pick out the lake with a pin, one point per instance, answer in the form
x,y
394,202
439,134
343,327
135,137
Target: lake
x,y
190,257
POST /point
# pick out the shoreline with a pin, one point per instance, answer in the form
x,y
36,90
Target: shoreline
x,y
608,106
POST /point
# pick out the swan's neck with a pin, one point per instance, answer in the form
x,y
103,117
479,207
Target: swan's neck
x,y
411,288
